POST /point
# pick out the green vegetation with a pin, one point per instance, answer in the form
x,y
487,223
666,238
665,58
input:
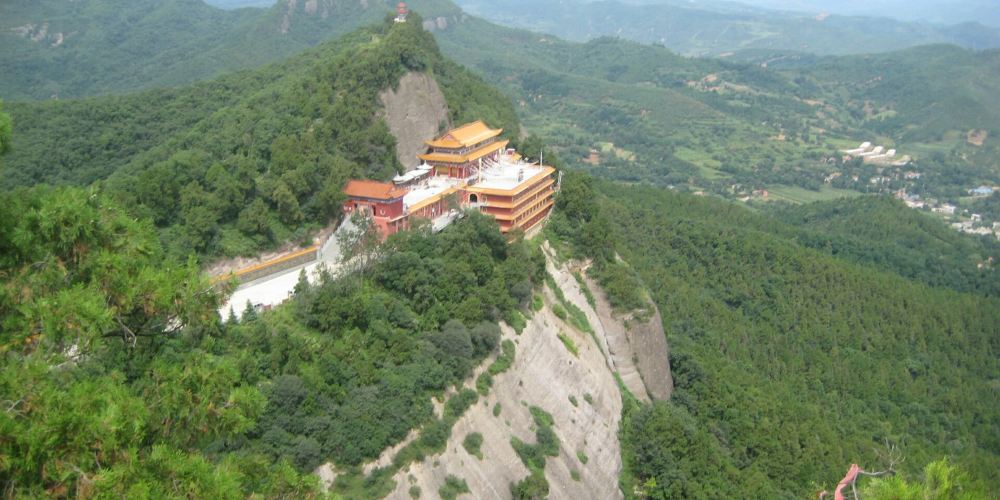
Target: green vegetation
x,y
452,487
574,474
537,302
497,409
940,480
87,48
884,233
712,29
570,345
582,457
340,373
472,442
588,398
250,160
730,126
588,232
573,401
760,322
535,486
498,366
559,311
6,128
585,289
517,321
106,395
568,311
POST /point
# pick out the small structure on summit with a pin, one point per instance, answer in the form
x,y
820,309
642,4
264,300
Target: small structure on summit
x,y
401,12
466,167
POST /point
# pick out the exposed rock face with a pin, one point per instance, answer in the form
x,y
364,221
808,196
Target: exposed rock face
x,y
636,349
639,349
414,112
579,391
652,355
441,23
544,374
40,34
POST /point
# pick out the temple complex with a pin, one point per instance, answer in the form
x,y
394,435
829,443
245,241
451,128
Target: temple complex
x,y
467,167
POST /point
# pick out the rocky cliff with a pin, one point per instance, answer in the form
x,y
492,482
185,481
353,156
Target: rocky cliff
x,y
569,358
414,111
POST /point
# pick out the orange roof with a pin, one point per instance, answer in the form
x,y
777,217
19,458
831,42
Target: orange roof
x,y
469,134
470,156
373,190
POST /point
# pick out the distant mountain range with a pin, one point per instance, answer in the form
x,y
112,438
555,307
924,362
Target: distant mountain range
x,y
933,11
719,28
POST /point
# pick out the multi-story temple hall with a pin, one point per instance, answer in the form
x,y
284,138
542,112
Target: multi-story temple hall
x,y
467,167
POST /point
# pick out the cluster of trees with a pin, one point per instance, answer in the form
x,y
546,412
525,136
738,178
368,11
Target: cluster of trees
x,y
882,232
588,231
350,365
108,388
119,378
790,362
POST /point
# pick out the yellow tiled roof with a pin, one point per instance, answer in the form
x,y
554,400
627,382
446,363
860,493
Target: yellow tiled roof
x,y
470,156
469,134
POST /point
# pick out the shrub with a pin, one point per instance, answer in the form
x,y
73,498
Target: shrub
x,y
559,311
472,443
452,487
570,345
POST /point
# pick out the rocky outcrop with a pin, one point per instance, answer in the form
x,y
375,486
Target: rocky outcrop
x,y
638,347
571,374
578,391
414,111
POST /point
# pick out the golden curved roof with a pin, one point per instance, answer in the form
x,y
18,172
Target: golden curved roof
x,y
464,158
467,135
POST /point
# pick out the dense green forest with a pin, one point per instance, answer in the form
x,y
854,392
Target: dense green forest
x,y
788,362
119,379
251,159
884,233
72,49
716,28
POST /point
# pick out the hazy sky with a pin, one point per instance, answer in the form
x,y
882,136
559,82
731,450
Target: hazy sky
x,y
936,11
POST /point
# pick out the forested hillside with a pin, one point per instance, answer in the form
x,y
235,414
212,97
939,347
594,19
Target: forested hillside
x,y
119,379
790,363
731,127
53,48
760,118
885,234
717,28
251,159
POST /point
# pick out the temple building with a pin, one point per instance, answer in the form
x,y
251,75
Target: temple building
x,y
381,200
460,151
467,167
